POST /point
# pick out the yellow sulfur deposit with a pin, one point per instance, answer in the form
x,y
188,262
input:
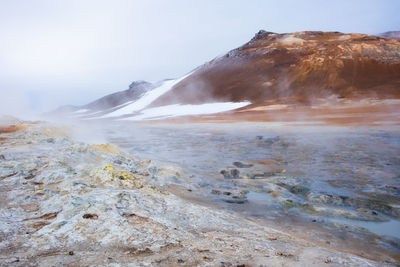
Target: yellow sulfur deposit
x,y
109,167
110,173
125,175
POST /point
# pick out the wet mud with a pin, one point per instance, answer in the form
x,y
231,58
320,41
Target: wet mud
x,y
342,184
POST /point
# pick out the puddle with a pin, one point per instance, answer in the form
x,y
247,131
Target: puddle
x,y
389,228
260,198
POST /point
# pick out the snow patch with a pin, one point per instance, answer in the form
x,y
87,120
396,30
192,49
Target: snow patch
x,y
187,110
146,99
81,111
101,111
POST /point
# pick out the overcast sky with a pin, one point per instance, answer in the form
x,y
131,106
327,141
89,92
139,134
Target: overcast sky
x,y
56,52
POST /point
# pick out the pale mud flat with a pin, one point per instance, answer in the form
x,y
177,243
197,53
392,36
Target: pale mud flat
x,y
63,202
338,185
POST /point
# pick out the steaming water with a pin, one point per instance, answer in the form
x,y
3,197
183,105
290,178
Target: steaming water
x,y
350,163
390,228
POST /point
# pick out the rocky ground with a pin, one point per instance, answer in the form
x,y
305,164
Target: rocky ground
x,y
68,203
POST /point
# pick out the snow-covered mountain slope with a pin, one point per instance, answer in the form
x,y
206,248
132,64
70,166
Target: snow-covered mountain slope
x,y
268,77
134,104
136,90
107,103
145,100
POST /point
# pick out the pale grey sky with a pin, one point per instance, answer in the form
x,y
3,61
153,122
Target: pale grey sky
x,y
57,52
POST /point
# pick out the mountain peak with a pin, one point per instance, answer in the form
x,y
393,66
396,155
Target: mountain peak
x,y
138,83
261,34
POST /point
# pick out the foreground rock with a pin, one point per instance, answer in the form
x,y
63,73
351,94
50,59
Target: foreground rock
x,y
69,203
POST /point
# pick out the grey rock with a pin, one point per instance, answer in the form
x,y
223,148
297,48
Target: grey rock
x,y
230,174
239,164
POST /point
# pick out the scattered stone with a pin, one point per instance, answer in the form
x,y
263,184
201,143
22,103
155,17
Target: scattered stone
x,y
10,174
31,174
48,216
241,194
40,225
236,197
90,216
215,192
242,165
235,200
299,190
230,174
270,141
284,254
263,175
118,161
50,140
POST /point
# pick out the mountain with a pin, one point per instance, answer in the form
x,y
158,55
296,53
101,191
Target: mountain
x,y
109,102
310,71
136,90
394,35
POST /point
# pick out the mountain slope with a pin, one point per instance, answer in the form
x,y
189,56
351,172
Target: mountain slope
x,y
300,67
394,35
136,90
271,72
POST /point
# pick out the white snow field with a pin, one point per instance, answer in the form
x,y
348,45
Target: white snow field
x,y
137,109
187,110
145,100
81,111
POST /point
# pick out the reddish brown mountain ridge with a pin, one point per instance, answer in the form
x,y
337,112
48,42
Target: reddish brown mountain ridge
x,y
312,75
297,67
